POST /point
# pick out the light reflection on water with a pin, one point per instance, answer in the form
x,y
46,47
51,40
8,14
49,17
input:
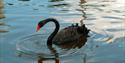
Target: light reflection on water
x,y
22,17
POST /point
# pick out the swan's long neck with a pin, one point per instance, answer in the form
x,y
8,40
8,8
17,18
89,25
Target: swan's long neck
x,y
50,38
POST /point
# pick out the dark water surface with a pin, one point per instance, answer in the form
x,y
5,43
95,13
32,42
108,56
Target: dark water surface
x,y
105,17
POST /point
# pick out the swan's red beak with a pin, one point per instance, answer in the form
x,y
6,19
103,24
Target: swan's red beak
x,y
38,28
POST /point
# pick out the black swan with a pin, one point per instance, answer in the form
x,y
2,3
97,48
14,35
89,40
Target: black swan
x,y
70,37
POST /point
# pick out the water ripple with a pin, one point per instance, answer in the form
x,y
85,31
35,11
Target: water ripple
x,y
115,30
112,17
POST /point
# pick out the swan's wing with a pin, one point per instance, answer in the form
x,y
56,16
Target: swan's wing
x,y
66,35
78,43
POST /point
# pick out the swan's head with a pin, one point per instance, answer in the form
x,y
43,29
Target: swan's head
x,y
43,22
40,24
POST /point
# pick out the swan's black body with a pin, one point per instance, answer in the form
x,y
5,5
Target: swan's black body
x,y
67,34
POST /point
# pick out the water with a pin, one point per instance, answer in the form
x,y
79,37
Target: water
x,y
105,17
